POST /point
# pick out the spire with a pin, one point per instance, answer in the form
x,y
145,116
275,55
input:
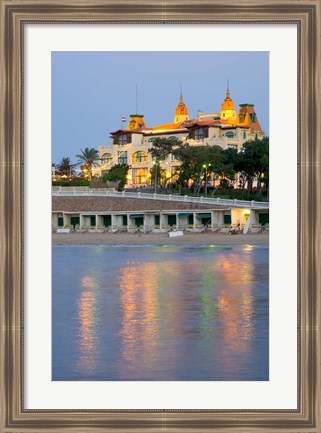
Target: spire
x,y
181,96
227,112
228,94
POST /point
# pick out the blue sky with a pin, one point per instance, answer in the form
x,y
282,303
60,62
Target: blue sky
x,y
91,91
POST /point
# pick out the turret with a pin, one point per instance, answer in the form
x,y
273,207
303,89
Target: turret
x,y
228,108
181,112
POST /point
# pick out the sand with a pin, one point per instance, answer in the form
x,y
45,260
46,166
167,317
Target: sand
x,y
159,239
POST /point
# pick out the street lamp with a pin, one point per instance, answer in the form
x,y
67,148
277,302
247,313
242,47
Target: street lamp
x,y
155,176
205,166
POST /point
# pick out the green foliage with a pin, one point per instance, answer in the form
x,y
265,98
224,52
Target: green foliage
x,y
77,181
65,168
158,172
117,173
88,158
162,147
199,163
253,161
160,150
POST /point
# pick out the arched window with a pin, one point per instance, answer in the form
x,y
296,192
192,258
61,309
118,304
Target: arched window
x,y
140,156
107,158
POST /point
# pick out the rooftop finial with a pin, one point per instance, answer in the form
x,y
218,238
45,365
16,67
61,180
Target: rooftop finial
x,y
181,96
228,94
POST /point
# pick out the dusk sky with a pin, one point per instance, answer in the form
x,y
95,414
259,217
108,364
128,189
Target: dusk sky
x,y
91,91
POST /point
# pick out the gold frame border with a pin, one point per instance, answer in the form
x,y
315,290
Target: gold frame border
x,y
14,14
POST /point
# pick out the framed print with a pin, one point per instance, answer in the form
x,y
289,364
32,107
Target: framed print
x,y
139,258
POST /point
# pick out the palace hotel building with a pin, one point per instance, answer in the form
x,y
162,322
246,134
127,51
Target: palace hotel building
x,y
130,146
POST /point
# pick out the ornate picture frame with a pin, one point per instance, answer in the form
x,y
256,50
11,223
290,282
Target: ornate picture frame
x,y
306,15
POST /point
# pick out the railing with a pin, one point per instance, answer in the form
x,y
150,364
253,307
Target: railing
x,y
96,192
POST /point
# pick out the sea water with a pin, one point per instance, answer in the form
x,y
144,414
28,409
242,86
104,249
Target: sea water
x,y
175,313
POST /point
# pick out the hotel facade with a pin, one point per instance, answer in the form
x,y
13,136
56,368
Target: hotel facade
x,y
226,129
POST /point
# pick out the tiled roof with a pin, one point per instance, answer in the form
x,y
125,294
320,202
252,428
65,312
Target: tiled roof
x,y
166,126
208,123
114,204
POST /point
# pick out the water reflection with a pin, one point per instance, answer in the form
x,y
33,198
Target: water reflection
x,y
235,306
88,282
87,326
139,308
213,304
141,314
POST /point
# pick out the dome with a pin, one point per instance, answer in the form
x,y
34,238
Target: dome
x,y
181,112
136,122
228,104
228,107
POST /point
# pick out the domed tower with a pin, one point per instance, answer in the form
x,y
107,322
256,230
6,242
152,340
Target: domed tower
x,y
181,112
228,108
136,122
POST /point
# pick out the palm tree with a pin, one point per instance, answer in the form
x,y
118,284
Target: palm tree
x,y
87,159
65,167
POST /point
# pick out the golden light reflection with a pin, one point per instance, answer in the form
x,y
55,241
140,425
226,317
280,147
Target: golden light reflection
x,y
235,306
87,334
138,303
88,282
150,312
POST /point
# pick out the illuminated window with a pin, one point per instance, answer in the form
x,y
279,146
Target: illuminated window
x,y
140,157
140,176
241,118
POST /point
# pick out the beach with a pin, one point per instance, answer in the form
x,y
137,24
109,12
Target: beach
x,y
159,239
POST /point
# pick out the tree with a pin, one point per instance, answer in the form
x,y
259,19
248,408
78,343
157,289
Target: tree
x,y
254,162
160,150
65,168
88,159
199,163
162,147
227,171
192,158
117,173
160,173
